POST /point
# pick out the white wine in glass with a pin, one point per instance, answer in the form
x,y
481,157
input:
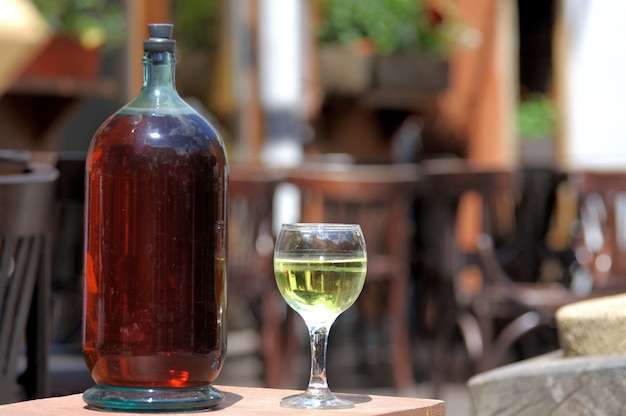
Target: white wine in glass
x,y
320,271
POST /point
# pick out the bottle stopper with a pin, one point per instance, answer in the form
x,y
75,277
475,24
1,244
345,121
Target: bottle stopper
x,y
160,39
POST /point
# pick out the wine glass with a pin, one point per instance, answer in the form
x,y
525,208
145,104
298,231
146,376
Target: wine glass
x,y
320,271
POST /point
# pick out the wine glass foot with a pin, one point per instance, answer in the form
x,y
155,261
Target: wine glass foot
x,y
152,400
308,400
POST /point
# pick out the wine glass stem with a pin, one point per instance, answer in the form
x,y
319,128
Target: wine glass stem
x,y
319,340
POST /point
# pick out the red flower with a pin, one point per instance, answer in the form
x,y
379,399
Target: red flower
x,y
435,17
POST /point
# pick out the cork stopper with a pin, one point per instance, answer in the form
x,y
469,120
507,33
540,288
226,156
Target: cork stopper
x,y
160,38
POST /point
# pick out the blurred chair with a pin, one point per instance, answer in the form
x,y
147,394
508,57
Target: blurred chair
x,y
26,209
250,261
600,240
599,243
378,197
67,262
472,290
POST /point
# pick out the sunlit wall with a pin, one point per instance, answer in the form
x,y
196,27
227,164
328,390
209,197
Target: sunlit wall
x,y
591,76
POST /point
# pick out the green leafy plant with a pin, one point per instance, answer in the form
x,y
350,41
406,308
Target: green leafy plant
x,y
197,23
93,22
536,117
392,26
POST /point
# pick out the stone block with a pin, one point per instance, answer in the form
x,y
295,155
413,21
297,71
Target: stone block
x,y
593,327
553,385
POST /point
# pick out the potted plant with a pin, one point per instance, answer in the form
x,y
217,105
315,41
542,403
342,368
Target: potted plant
x,y
82,28
536,123
196,26
393,44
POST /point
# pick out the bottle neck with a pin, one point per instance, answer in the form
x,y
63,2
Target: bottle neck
x,y
158,94
158,70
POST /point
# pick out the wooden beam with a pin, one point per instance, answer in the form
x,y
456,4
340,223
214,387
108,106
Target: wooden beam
x,y
477,111
249,125
139,13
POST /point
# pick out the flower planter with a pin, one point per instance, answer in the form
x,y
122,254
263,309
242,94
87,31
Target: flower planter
x,y
537,152
411,72
344,72
65,57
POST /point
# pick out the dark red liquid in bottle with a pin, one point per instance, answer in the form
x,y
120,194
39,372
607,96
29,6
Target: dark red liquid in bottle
x,y
155,295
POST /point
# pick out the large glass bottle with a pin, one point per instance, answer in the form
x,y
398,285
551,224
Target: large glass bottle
x,y
154,332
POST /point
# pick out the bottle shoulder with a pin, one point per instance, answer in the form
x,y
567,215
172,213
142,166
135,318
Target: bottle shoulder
x,y
187,131
157,101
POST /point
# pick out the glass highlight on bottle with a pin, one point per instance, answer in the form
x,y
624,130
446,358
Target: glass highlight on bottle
x,y
320,271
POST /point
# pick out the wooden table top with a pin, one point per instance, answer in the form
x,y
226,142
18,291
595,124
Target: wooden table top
x,y
245,401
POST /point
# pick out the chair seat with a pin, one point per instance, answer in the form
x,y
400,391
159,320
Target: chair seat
x,y
546,297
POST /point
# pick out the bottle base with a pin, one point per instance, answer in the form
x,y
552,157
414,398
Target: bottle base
x,y
153,400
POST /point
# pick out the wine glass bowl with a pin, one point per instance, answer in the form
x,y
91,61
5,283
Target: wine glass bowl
x,y
320,271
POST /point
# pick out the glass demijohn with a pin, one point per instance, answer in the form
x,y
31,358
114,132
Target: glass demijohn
x,y
154,331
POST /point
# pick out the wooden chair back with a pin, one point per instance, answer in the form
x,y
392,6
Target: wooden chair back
x,y
26,211
600,243
487,194
250,263
379,198
250,227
